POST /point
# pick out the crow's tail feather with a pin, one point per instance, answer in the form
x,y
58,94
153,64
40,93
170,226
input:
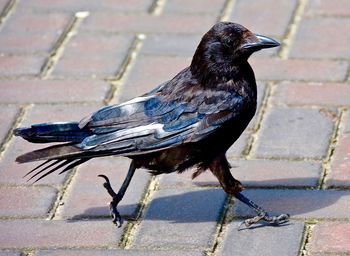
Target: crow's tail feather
x,y
53,132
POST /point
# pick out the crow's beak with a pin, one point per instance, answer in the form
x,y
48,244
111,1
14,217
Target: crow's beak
x,y
262,42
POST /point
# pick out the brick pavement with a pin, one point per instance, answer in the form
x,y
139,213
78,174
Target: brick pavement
x,y
62,59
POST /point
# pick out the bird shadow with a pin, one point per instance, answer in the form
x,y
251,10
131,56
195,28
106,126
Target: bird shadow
x,y
205,204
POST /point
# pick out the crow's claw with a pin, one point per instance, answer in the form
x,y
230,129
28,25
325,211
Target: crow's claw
x,y
274,220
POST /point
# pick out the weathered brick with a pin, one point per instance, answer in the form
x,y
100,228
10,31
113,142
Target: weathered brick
x,y
26,201
254,173
323,94
299,69
11,172
7,119
91,55
82,5
180,218
328,7
52,91
145,23
149,72
114,252
10,253
58,234
340,166
267,21
269,240
294,133
183,45
330,237
298,203
26,22
27,43
20,65
193,6
86,195
316,38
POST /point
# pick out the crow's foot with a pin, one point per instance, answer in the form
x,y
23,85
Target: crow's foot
x,y
116,198
263,216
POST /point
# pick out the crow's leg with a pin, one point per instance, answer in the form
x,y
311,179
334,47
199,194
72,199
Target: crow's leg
x,y
117,197
221,169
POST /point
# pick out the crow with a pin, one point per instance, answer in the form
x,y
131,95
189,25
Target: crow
x,y
188,121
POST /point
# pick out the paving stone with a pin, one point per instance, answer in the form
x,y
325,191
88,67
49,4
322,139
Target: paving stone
x,y
82,5
91,55
58,234
295,133
148,72
26,201
7,118
183,45
180,218
10,253
299,69
266,21
323,94
26,22
193,6
315,38
20,65
269,240
86,195
340,166
10,171
27,43
328,7
52,91
299,203
145,23
115,252
330,237
254,173
239,147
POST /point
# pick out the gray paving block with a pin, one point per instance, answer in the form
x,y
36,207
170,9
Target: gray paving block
x,y
298,203
113,252
181,218
265,240
294,133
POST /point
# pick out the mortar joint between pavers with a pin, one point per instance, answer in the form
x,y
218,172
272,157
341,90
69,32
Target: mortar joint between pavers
x,y
306,239
292,28
55,207
347,76
326,163
127,63
249,150
226,11
7,11
221,227
157,7
58,48
129,232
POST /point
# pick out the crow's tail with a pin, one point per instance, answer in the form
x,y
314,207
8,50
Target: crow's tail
x,y
53,132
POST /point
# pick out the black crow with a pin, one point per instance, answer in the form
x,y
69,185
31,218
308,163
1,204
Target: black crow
x,y
188,121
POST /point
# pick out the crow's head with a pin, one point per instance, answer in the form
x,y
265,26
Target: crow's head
x,y
225,46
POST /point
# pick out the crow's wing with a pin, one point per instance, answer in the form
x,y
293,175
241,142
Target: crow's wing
x,y
155,122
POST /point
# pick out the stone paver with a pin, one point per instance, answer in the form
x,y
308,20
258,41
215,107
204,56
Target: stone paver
x,y
295,133
330,237
56,65
267,241
181,218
